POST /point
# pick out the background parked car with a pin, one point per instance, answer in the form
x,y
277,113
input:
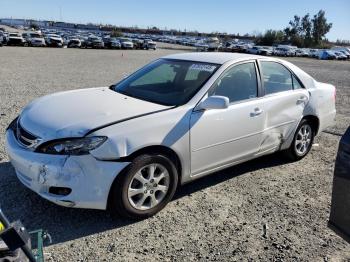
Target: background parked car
x,y
93,42
339,55
126,43
34,39
344,50
284,51
260,50
301,53
15,39
314,53
74,43
54,40
137,43
201,46
326,55
115,43
149,44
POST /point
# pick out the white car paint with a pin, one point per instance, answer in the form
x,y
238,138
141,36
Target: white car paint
x,y
261,125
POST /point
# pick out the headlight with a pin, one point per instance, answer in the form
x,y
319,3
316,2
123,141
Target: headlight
x,y
72,146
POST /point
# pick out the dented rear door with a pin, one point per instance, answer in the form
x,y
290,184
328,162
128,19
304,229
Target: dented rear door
x,y
285,100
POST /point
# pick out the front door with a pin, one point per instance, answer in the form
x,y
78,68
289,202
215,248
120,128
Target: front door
x,y
220,137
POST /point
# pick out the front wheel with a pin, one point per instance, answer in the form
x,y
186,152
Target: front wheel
x,y
302,141
145,187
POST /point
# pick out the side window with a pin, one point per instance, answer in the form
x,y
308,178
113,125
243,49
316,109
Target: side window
x,y
296,83
237,83
276,77
162,74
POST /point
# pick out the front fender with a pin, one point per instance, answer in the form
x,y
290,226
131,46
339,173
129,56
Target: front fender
x,y
168,128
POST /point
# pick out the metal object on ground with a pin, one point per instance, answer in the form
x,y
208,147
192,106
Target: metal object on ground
x,y
16,242
339,219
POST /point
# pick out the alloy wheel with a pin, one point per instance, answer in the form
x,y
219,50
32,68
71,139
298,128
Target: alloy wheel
x,y
148,187
303,140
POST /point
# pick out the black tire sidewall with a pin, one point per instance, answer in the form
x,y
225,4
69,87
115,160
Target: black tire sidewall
x,y
120,202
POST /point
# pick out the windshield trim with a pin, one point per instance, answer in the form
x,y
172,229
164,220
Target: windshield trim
x,y
113,87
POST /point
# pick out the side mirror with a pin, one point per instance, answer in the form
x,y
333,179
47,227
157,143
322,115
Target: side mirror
x,y
214,102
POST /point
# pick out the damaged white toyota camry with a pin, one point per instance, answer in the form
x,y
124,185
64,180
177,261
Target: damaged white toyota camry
x,y
127,147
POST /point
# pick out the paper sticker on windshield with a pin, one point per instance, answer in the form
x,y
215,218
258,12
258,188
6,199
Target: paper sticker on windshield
x,y
203,67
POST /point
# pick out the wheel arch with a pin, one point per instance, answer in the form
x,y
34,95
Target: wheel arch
x,y
314,121
155,149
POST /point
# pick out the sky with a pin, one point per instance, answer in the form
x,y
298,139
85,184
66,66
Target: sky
x,y
247,16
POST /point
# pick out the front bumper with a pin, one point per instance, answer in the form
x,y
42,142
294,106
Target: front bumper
x,y
38,43
89,179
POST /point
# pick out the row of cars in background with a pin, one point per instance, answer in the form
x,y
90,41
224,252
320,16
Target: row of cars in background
x,y
100,39
335,53
70,40
236,45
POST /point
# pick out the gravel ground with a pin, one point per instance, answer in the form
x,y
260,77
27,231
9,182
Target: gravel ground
x,y
266,209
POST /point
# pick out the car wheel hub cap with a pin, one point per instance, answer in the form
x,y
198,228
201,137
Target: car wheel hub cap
x,y
303,140
148,187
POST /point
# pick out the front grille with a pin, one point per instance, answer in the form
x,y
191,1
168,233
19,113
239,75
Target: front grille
x,y
25,138
15,41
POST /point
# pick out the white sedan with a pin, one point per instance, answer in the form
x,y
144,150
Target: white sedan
x,y
128,146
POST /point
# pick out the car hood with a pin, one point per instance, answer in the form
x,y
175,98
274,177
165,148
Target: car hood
x,y
37,39
74,113
55,38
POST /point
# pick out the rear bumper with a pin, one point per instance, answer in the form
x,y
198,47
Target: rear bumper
x,y
89,179
327,120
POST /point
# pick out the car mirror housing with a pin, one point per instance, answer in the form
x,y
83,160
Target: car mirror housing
x,y
214,102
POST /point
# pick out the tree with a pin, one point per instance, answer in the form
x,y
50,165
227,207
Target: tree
x,y
307,32
307,29
34,26
271,37
116,33
320,27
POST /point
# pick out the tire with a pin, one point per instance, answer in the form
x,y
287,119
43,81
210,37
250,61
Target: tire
x,y
295,154
131,198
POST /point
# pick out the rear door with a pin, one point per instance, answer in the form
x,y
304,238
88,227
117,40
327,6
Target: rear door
x,y
285,99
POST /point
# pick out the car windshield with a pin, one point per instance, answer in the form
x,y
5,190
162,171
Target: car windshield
x,y
167,81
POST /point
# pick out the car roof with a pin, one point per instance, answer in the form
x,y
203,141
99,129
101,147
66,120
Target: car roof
x,y
221,58
212,57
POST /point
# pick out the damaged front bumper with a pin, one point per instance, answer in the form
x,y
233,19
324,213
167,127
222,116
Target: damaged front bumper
x,y
88,178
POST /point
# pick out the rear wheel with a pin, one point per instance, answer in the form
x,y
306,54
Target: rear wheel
x,y
145,187
302,142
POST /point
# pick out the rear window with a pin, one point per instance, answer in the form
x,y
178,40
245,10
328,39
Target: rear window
x,y
276,77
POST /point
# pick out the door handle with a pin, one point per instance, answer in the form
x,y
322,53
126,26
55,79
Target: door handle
x,y
302,99
257,111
